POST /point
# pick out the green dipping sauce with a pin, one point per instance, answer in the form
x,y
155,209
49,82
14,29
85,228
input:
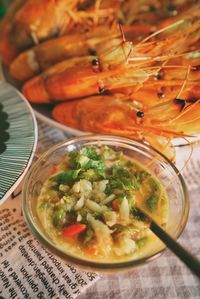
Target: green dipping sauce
x,y
88,206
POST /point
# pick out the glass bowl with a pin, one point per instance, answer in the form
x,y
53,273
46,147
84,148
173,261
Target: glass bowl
x,y
145,155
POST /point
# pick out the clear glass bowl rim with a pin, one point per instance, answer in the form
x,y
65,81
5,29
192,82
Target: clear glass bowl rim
x,y
85,263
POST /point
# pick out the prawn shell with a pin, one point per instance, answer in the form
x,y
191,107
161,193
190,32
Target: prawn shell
x,y
87,113
67,80
167,119
7,49
65,113
31,62
117,118
44,18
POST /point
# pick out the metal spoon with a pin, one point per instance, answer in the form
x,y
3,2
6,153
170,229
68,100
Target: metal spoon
x,y
187,258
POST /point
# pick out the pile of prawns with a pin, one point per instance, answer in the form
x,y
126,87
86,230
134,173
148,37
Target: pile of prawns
x,y
140,79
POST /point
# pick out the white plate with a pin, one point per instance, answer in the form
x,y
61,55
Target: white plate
x,y
18,138
43,112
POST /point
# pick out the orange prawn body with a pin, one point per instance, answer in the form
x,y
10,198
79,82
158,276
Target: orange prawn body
x,y
44,55
39,58
38,20
165,118
35,21
122,66
7,49
59,81
29,22
146,88
157,123
80,77
77,77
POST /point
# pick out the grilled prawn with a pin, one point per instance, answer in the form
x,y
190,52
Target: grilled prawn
x,y
122,66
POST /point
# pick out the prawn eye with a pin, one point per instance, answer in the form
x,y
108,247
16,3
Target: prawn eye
x,y
171,9
140,114
159,76
160,94
95,61
196,68
180,101
101,89
92,52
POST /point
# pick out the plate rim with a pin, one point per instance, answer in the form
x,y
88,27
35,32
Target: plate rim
x,y
58,125
35,133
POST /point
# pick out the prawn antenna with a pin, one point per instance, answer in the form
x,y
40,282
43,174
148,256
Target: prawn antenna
x,y
97,7
126,56
122,33
184,83
163,30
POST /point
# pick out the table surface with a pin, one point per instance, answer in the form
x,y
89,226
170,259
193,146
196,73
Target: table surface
x,y
167,276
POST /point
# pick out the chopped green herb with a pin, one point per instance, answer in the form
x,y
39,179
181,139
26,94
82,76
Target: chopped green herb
x,y
142,175
73,160
93,164
83,161
118,228
153,184
108,189
152,202
108,153
87,159
88,235
83,212
44,205
68,177
98,216
119,171
90,152
124,183
122,178
59,217
92,175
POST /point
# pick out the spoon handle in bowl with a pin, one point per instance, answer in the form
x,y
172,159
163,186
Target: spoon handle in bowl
x,y
187,258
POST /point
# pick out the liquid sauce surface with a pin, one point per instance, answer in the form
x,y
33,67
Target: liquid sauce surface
x,y
88,206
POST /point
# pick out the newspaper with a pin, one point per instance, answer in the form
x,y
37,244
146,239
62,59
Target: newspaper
x,y
27,270
188,164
